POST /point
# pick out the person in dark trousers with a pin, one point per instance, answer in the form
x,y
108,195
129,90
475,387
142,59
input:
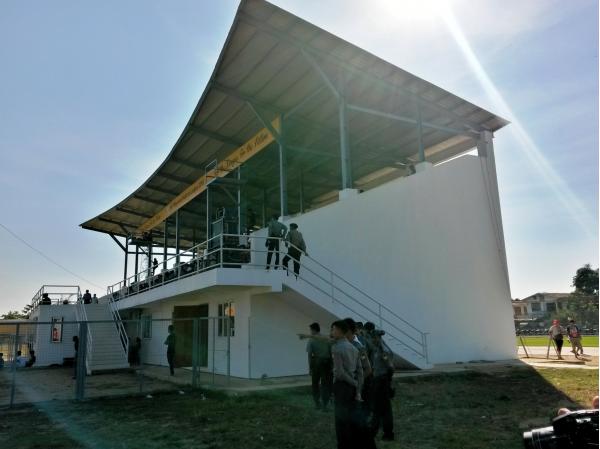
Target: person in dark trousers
x,y
170,342
362,413
154,265
135,352
347,383
296,246
276,232
381,387
87,298
318,348
76,347
31,360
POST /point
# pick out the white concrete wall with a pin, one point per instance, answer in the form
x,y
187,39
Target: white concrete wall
x,y
48,352
275,349
154,349
425,246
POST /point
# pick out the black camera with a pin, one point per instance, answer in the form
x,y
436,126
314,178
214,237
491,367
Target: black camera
x,y
574,430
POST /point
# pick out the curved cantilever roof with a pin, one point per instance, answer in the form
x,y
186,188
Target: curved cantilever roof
x,y
282,66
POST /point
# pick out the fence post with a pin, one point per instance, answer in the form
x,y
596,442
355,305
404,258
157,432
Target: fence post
x,y
140,368
228,328
215,323
14,367
81,356
195,347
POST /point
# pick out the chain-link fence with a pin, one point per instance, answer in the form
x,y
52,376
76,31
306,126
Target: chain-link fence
x,y
84,359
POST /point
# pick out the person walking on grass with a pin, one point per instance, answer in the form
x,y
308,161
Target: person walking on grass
x,y
170,342
574,333
556,333
296,246
276,232
318,348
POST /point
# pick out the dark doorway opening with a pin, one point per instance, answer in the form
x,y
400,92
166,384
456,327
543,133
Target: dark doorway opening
x,y
184,329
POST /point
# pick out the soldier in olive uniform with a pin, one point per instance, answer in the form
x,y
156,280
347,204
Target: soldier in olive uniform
x,y
320,366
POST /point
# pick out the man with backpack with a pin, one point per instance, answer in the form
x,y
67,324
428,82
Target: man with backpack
x,y
574,333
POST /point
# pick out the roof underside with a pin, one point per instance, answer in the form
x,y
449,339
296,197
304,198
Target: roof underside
x,y
269,60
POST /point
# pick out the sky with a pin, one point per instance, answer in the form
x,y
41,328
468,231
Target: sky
x,y
93,95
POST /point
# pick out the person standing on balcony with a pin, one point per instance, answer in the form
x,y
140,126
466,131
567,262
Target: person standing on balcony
x,y
170,342
296,246
276,232
154,266
94,299
87,298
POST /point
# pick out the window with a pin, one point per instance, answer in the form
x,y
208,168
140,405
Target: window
x,y
551,307
535,307
226,320
147,326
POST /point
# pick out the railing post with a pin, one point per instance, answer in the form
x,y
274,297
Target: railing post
x,y
221,250
13,385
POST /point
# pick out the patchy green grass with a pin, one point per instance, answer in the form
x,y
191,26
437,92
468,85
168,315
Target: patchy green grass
x,y
470,410
590,341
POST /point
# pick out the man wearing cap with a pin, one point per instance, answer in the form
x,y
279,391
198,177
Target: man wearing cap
x,y
556,333
320,366
296,246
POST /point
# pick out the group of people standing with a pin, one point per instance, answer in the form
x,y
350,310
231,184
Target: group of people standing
x,y
294,242
354,364
573,331
87,298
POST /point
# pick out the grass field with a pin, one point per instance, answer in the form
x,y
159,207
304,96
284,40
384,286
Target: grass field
x,y
590,341
469,410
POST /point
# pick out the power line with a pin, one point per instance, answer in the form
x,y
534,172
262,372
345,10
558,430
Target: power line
x,y
48,258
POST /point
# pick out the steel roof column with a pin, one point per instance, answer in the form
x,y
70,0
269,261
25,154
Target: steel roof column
x,y
420,134
126,260
344,146
283,205
177,237
137,254
165,243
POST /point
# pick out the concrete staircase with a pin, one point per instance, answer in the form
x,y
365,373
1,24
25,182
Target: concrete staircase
x,y
105,349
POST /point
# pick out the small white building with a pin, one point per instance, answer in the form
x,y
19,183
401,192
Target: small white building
x,y
364,158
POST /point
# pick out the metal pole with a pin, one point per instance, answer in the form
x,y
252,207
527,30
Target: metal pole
x,y
213,349
283,206
141,367
195,345
420,134
344,146
239,200
228,327
137,255
13,385
301,192
165,244
177,224
126,260
81,356
264,208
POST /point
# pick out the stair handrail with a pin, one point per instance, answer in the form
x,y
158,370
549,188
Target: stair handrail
x,y
383,306
119,323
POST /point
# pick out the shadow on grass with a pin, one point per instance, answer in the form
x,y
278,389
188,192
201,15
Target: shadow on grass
x,y
446,411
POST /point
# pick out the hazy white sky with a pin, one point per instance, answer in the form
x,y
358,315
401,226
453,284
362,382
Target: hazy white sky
x,y
93,96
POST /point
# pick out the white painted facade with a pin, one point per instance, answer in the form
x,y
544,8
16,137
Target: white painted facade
x,y
49,352
428,246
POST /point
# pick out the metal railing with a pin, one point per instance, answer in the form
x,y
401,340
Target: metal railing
x,y
56,294
119,323
221,252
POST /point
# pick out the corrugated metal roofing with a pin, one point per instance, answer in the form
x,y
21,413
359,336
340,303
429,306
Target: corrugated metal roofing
x,y
266,61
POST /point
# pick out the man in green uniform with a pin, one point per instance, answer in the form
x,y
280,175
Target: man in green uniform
x,y
318,348
276,231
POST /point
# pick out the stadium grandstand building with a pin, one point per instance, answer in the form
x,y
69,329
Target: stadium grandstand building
x,y
390,179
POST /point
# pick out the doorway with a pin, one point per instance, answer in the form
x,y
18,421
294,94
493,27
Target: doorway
x,y
184,330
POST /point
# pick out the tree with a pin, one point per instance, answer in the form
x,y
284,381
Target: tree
x,y
585,280
14,315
